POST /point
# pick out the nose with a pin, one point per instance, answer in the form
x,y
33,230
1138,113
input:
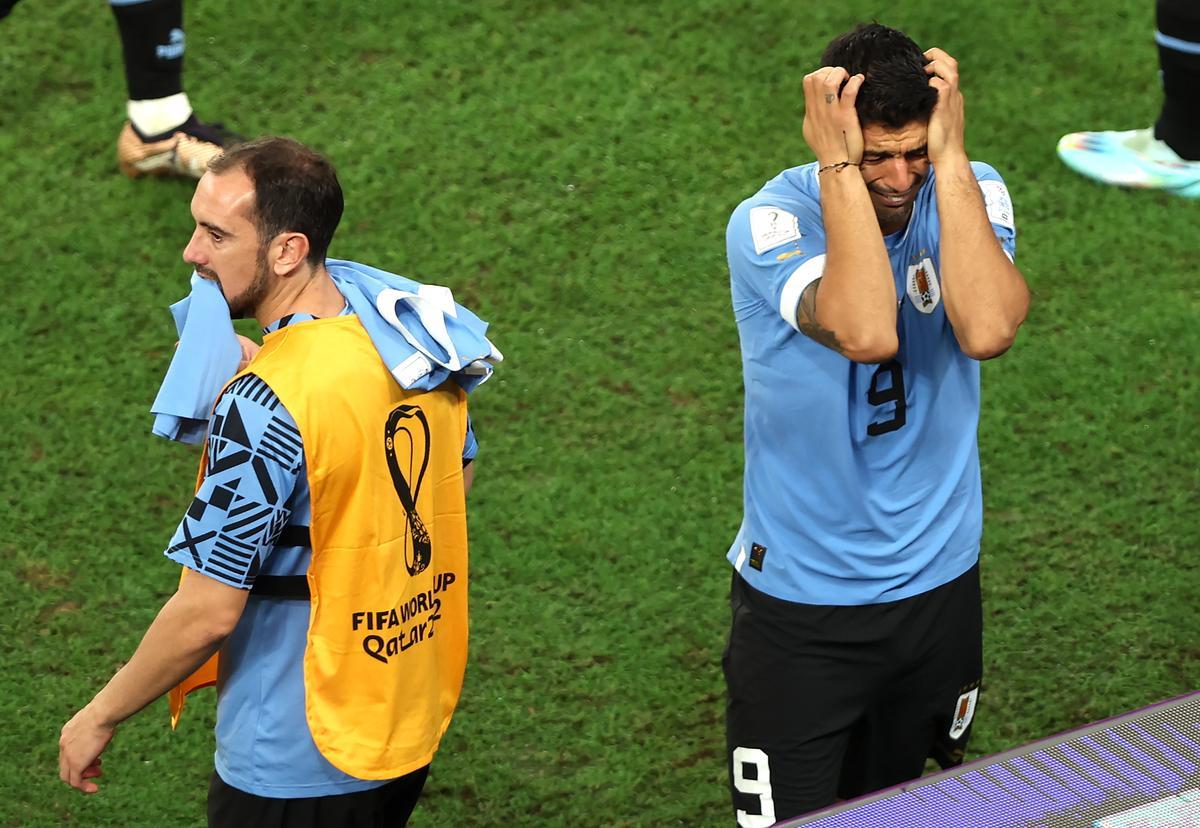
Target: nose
x,y
193,252
899,174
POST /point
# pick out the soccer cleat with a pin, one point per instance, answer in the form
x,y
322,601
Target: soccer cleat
x,y
1134,158
184,151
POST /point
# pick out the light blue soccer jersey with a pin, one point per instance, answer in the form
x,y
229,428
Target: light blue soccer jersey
x,y
255,487
861,481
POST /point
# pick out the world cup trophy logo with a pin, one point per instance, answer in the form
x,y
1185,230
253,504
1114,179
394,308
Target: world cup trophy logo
x,y
406,441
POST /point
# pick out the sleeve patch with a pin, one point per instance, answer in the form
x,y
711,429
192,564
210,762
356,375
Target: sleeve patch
x,y
770,227
999,205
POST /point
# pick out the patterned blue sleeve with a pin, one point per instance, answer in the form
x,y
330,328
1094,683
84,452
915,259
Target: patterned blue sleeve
x,y
471,445
254,460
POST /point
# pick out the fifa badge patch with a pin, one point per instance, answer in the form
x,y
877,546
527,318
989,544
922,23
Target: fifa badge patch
x,y
771,227
923,288
964,711
757,553
998,203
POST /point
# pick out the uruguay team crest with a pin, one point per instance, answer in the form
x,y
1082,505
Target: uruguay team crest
x,y
923,288
964,711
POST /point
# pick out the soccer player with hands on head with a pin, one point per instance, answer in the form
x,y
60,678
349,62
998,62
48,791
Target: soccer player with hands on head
x,y
894,164
866,287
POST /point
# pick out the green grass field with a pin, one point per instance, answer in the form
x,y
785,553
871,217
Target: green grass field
x,y
567,169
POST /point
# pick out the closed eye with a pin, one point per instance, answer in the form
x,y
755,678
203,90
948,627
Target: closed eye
x,y
917,154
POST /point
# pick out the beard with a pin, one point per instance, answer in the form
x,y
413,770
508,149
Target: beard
x,y
244,304
893,217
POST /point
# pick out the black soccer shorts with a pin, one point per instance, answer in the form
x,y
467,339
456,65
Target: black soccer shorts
x,y
833,702
389,805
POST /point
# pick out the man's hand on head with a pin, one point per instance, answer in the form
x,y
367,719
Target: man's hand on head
x,y
831,126
946,126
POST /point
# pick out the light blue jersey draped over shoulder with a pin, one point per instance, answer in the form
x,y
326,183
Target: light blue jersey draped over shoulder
x,y
862,482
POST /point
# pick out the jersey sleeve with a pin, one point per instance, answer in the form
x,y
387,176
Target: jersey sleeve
x,y
470,445
254,459
999,206
776,248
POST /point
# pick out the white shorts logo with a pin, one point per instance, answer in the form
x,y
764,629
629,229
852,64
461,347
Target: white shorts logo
x,y
923,287
771,227
964,711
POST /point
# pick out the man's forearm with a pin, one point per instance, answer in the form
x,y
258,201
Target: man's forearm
x,y
984,293
856,299
181,638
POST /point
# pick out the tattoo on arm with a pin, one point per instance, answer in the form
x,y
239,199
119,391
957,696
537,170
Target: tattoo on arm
x,y
806,319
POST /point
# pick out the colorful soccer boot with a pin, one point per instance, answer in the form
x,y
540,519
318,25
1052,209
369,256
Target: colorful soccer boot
x,y
1130,159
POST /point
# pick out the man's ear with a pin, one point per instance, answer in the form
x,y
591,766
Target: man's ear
x,y
291,249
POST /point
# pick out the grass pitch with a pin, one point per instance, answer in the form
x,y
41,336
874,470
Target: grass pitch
x,y
567,169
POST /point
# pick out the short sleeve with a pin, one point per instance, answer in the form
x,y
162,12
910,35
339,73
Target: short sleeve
x,y
999,207
470,445
254,459
776,248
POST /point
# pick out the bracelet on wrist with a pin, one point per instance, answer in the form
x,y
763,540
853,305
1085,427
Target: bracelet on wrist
x,y
841,165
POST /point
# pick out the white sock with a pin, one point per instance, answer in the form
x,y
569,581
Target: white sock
x,y
158,115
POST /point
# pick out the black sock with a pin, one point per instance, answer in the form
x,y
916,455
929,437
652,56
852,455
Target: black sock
x,y
1179,123
5,7
152,40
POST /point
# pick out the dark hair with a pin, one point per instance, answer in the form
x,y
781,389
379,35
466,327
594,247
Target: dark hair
x,y
295,190
896,91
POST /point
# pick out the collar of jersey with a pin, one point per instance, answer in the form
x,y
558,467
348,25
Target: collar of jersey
x,y
296,318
